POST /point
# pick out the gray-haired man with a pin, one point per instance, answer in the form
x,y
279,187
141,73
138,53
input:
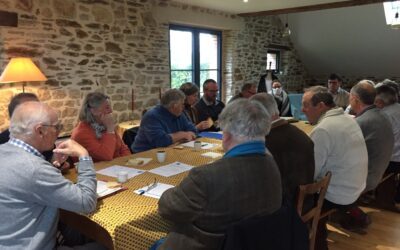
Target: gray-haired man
x,y
165,124
32,189
244,183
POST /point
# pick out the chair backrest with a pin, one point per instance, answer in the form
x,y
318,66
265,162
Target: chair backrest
x,y
129,137
311,217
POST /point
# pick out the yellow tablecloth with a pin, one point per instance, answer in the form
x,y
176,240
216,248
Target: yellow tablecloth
x,y
132,220
304,126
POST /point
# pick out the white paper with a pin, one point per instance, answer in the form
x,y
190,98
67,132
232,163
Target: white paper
x,y
171,169
103,190
113,171
204,145
212,155
154,192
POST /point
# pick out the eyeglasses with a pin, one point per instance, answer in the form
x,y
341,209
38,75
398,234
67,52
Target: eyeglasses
x,y
58,126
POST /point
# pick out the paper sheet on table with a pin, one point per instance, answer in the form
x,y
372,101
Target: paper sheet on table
x,y
204,145
103,190
155,192
113,171
212,155
171,169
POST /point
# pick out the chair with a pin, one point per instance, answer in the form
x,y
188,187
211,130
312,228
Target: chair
x,y
312,216
129,136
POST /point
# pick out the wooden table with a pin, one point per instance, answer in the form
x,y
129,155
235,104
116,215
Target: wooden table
x,y
121,127
304,126
127,220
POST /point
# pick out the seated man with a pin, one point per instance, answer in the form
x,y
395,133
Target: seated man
x,y
340,96
164,124
32,190
244,183
281,98
339,147
386,99
291,148
248,90
208,106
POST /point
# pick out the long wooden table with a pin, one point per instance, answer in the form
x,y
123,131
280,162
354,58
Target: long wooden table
x,y
127,220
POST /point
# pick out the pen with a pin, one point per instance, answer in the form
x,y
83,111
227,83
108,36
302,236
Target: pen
x,y
152,186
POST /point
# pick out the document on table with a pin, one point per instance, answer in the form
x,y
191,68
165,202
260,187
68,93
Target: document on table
x,y
155,192
204,145
103,190
113,171
171,169
212,155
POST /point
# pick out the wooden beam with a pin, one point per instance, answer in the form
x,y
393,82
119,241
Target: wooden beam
x,y
8,19
323,6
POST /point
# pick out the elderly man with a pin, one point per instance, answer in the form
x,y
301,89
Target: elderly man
x,y
291,148
244,183
248,90
340,96
339,147
208,107
32,190
386,100
281,98
165,124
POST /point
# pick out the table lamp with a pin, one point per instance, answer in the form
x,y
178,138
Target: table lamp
x,y
21,69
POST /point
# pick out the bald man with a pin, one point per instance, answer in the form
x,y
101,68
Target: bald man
x,y
32,190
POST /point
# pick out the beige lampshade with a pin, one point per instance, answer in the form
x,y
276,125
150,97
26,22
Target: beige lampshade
x,y
21,69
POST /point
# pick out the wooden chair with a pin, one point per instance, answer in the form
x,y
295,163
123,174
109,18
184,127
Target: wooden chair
x,y
312,216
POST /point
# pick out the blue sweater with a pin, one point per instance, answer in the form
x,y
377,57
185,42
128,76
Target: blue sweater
x,y
156,126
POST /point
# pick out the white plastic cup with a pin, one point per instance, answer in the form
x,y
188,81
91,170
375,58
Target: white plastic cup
x,y
197,145
122,176
161,156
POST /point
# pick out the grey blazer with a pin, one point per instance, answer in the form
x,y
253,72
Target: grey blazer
x,y
214,196
379,138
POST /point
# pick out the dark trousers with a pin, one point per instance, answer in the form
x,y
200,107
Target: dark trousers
x,y
394,167
321,242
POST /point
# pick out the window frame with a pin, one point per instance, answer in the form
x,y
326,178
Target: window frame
x,y
278,60
196,53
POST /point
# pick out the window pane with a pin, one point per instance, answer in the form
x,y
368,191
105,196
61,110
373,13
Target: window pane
x,y
180,77
271,61
207,74
181,49
208,51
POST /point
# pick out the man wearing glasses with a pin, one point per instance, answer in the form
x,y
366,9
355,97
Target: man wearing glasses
x,y
208,107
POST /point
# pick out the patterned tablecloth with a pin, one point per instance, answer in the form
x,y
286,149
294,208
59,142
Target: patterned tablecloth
x,y
132,220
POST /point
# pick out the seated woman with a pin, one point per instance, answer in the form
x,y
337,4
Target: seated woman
x,y
191,92
96,129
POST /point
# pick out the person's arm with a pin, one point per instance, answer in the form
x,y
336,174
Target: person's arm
x,y
101,149
123,150
322,148
52,189
183,136
186,201
156,132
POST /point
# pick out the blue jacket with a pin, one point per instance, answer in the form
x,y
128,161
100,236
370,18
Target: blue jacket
x,y
156,126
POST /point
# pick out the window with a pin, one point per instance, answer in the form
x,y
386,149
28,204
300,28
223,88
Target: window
x,y
392,10
194,55
273,60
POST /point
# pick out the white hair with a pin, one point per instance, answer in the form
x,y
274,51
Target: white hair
x,y
26,116
246,120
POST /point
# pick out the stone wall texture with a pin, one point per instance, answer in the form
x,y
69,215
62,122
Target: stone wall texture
x,y
116,46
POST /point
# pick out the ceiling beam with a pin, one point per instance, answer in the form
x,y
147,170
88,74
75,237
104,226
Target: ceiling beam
x,y
8,19
323,6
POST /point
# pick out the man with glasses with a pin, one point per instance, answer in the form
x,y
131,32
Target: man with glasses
x,y
208,107
32,190
247,91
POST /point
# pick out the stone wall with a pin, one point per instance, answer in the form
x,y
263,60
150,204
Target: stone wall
x,y
114,46
245,55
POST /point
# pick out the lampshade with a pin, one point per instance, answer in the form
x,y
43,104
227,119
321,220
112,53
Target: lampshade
x,y
21,69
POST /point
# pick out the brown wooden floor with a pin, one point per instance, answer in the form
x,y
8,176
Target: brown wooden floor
x,y
383,233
